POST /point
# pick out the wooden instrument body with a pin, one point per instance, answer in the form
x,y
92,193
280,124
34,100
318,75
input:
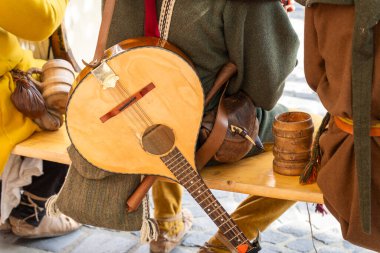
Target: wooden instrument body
x,y
176,102
154,136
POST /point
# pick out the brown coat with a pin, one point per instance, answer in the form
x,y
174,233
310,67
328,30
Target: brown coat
x,y
328,68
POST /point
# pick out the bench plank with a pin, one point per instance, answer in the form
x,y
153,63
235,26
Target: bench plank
x,y
253,175
46,145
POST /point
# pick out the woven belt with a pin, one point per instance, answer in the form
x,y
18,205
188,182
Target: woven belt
x,y
346,125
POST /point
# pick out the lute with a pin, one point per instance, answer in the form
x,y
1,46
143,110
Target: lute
x,y
139,112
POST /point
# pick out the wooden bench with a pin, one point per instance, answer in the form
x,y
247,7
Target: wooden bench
x,y
253,175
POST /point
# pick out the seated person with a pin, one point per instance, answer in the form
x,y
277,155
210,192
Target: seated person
x,y
34,20
258,37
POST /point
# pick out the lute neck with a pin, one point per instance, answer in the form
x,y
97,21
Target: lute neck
x,y
195,185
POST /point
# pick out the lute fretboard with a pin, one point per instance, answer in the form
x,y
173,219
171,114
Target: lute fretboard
x,y
195,185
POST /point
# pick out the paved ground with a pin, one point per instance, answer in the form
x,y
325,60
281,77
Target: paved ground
x,y
290,233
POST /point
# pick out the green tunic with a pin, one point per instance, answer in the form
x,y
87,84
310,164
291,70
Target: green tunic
x,y
255,35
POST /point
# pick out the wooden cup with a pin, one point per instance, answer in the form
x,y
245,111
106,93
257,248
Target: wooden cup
x,y
57,76
293,136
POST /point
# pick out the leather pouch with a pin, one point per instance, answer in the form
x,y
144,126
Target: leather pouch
x,y
26,97
242,132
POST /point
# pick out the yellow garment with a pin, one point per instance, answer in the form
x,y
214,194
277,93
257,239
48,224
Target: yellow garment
x,y
31,20
253,213
167,198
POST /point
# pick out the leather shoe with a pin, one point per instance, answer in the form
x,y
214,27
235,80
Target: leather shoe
x,y
165,243
50,226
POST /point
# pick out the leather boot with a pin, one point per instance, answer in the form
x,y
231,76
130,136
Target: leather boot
x,y
166,242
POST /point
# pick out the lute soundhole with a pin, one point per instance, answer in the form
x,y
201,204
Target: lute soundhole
x,y
158,139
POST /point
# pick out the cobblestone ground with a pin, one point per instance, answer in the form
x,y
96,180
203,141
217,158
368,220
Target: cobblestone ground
x,y
290,233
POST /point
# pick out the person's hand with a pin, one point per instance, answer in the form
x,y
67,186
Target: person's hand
x,y
288,5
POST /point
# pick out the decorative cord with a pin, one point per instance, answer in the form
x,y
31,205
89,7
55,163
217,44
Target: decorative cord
x,y
149,228
310,173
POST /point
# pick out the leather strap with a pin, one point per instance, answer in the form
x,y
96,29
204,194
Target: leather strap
x,y
219,130
109,7
227,71
215,138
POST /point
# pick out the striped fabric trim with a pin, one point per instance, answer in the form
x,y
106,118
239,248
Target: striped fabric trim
x,y
165,18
